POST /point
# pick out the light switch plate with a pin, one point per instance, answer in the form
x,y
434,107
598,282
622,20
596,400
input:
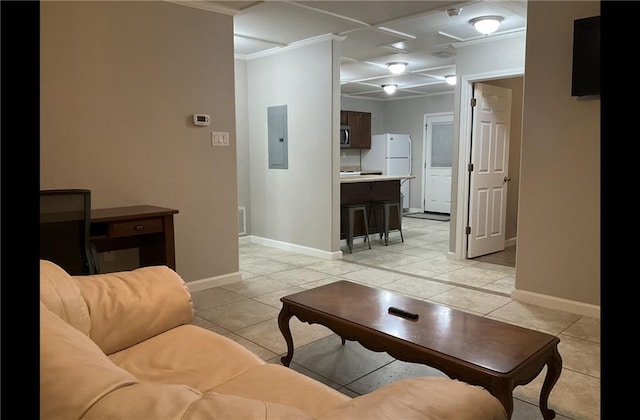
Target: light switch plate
x,y
219,138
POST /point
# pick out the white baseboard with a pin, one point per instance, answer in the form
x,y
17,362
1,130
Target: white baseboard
x,y
208,283
291,247
413,210
560,304
510,242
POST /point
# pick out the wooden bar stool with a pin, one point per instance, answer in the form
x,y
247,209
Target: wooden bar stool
x,y
351,212
385,207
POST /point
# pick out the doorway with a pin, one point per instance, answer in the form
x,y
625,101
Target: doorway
x,y
488,169
437,163
462,150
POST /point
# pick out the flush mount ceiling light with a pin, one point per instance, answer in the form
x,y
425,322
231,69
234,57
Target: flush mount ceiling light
x,y
389,88
450,79
397,68
486,24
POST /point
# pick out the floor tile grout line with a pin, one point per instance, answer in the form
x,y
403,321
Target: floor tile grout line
x,y
446,282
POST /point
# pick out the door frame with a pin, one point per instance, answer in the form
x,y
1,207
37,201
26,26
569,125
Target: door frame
x,y
425,119
463,187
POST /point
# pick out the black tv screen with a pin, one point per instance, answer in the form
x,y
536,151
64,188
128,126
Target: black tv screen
x,y
585,77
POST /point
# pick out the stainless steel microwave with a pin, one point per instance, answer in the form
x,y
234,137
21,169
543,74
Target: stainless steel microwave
x,y
345,136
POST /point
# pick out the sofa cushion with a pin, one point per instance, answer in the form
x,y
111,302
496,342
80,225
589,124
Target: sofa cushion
x,y
128,307
187,354
293,388
422,398
61,295
211,362
178,402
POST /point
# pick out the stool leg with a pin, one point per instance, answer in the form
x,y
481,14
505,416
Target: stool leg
x,y
364,216
366,227
372,214
400,222
350,234
386,225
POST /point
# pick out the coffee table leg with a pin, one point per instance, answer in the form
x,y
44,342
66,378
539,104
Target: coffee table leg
x,y
554,368
283,323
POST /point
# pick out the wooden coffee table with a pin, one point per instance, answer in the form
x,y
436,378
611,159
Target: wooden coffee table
x,y
480,351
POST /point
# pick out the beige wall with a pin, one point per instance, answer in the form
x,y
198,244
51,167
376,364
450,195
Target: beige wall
x,y
120,82
558,250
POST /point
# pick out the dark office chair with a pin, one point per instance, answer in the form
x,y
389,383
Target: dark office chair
x,y
65,218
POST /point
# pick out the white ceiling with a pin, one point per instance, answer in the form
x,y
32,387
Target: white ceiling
x,y
420,33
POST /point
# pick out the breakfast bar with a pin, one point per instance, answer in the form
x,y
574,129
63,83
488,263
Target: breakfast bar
x,y
358,189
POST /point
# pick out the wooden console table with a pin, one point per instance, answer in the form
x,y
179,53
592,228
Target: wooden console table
x,y
148,228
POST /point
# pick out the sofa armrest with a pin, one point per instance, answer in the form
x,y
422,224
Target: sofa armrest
x,y
424,398
128,307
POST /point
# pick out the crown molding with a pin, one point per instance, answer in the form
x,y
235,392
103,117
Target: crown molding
x,y
289,47
205,5
516,33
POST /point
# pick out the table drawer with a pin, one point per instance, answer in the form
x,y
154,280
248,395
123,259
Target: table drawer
x,y
135,227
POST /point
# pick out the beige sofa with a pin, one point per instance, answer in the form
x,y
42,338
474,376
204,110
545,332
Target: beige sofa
x,y
122,346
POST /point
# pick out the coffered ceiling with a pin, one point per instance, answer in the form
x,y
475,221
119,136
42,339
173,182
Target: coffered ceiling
x,y
420,33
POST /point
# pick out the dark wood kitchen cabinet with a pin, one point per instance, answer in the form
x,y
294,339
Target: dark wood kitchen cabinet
x,y
360,123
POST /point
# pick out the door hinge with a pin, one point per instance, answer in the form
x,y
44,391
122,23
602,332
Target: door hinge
x,y
467,230
470,167
473,102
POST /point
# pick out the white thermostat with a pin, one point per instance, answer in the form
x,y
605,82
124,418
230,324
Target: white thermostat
x,y
201,119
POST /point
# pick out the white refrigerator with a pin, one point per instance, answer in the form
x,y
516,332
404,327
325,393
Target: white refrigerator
x,y
391,154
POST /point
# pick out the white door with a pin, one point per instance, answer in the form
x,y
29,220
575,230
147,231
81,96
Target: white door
x,y
488,170
439,156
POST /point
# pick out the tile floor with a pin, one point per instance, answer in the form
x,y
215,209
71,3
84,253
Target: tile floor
x,y
247,313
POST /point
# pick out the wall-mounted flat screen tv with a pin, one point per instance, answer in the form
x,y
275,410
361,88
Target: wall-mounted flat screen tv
x,y
585,77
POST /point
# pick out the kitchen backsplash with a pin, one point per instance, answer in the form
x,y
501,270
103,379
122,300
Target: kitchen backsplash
x,y
350,159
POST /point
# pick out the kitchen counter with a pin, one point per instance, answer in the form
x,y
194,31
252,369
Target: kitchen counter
x,y
364,189
347,179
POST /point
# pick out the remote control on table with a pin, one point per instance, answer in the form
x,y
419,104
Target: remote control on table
x,y
401,312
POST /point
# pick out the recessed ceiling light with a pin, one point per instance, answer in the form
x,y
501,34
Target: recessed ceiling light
x,y
450,79
486,24
389,88
397,68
